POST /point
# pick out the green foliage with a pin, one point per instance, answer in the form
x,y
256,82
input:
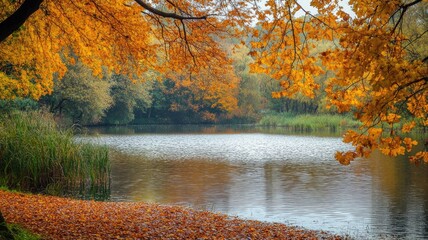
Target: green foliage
x,y
128,97
14,232
36,156
22,104
175,103
79,96
309,122
250,96
20,233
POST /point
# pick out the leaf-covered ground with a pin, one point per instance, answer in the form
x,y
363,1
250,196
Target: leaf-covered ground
x,y
62,218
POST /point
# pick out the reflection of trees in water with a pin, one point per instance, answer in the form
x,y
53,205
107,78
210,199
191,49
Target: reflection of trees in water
x,y
401,205
420,181
169,181
269,183
317,178
425,219
392,193
310,189
206,129
398,190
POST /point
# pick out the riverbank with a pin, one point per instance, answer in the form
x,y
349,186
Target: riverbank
x,y
62,218
308,122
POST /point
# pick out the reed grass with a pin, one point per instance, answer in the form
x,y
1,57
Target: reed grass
x,y
309,122
37,156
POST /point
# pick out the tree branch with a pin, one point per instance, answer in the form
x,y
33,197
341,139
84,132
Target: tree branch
x,y
167,14
18,18
14,21
403,9
179,9
187,42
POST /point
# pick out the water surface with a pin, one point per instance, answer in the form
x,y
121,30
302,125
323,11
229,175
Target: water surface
x,y
269,175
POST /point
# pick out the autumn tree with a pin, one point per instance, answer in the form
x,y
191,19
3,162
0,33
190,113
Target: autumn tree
x,y
203,97
127,37
376,76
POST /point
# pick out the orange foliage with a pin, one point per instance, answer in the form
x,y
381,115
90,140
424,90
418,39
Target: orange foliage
x,y
119,35
60,218
373,74
215,82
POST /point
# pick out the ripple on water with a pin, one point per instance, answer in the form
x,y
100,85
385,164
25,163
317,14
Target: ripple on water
x,y
277,178
249,148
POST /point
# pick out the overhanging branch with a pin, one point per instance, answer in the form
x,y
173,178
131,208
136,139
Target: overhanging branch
x,y
15,21
167,14
28,7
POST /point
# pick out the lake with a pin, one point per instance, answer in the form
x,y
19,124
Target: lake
x,y
271,175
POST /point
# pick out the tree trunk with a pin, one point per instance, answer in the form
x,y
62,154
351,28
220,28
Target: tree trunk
x,y
14,21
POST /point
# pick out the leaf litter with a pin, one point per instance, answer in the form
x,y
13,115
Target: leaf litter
x,y
63,218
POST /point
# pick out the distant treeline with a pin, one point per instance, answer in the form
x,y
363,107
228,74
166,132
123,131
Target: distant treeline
x,y
82,98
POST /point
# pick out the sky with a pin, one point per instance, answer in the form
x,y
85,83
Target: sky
x,y
306,4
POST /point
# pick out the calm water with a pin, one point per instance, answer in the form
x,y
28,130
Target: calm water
x,y
269,175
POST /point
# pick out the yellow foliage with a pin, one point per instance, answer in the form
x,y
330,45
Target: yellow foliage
x,y
345,158
420,156
390,118
407,127
108,36
376,69
409,143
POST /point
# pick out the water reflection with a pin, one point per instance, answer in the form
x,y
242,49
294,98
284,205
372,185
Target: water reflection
x,y
272,177
205,129
401,196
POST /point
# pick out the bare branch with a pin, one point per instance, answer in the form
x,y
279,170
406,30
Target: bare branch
x,y
187,42
403,9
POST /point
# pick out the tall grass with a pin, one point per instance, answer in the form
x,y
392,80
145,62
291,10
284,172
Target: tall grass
x,y
309,122
35,155
20,233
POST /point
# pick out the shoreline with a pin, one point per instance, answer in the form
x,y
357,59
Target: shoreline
x,y
64,218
